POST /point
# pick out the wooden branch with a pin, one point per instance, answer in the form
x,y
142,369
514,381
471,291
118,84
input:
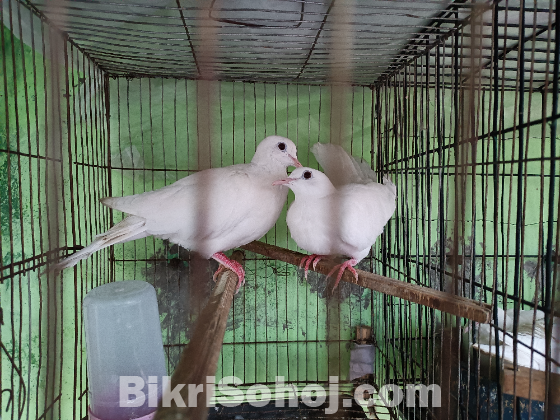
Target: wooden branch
x,y
200,357
445,302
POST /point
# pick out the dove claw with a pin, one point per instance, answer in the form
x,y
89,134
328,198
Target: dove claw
x,y
315,258
218,271
232,265
341,267
309,259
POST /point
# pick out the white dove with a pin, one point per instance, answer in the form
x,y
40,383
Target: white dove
x,y
341,212
528,339
486,331
207,212
527,348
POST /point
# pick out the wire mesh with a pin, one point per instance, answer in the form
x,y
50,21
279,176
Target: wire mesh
x,y
457,102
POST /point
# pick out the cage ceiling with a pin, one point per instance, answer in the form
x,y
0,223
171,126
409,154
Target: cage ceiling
x,y
265,40
291,40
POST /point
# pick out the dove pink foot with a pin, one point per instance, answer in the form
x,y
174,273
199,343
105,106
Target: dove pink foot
x,y
341,267
307,260
232,265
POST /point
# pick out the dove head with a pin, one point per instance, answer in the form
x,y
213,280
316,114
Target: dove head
x,y
308,182
276,149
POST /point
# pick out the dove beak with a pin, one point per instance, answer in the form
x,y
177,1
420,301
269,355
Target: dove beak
x,y
283,181
296,162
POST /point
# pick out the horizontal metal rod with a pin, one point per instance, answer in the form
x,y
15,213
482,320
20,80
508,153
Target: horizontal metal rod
x,y
423,171
294,342
29,155
540,121
476,283
123,168
15,268
345,383
445,302
466,256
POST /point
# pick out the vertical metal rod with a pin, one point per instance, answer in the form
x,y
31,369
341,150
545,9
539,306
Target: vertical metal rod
x,y
109,163
99,160
549,281
31,307
69,73
519,223
495,171
3,62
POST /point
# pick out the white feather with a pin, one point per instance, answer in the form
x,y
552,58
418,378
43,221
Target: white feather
x,y
530,343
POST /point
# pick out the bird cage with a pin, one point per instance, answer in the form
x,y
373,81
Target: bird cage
x,y
455,101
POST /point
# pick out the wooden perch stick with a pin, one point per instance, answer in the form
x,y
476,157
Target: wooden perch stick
x,y
200,358
445,302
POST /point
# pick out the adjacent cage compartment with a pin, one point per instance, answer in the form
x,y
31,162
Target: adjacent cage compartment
x,y
469,129
457,102
54,146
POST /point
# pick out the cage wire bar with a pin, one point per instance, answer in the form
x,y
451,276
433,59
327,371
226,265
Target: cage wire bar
x,y
457,102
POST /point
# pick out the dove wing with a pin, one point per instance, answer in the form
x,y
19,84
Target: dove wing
x,y
372,205
340,167
210,209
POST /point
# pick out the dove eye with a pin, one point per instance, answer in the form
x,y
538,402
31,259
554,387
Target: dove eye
x,y
307,175
282,146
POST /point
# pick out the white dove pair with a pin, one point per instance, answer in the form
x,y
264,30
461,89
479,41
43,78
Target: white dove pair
x,y
218,209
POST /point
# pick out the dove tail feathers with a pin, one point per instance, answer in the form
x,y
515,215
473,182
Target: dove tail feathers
x,y
109,202
130,228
